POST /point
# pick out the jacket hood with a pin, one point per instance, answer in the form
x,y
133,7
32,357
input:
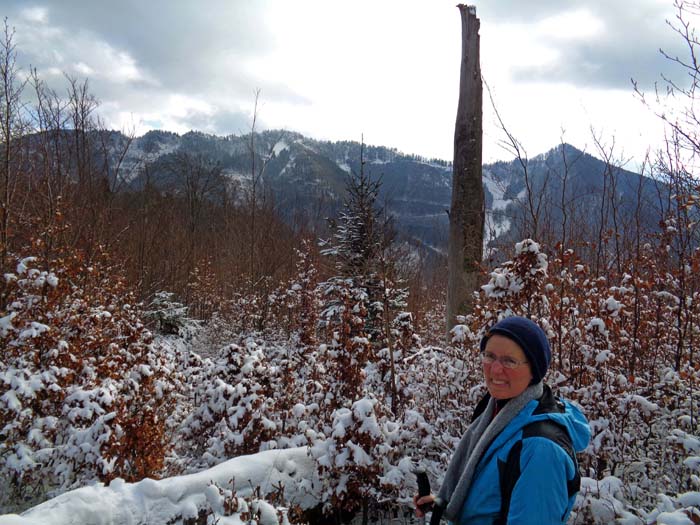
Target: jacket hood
x,y
562,412
575,423
555,409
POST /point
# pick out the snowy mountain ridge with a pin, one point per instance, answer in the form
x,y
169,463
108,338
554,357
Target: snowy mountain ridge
x,y
306,179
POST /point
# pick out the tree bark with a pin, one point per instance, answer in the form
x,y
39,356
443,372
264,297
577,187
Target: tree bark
x,y
467,208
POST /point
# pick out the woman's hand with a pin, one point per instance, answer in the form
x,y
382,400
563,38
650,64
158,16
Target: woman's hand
x,y
424,502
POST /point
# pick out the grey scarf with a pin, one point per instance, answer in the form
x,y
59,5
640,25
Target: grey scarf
x,y
473,445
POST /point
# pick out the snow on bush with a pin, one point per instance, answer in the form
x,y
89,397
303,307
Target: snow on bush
x,y
235,410
84,390
354,457
621,348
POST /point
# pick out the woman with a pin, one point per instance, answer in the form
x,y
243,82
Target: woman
x,y
516,462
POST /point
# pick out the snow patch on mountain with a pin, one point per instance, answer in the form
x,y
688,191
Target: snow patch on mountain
x,y
497,190
496,223
343,165
290,164
280,147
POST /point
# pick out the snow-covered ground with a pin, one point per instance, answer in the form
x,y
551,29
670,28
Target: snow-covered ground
x,y
156,502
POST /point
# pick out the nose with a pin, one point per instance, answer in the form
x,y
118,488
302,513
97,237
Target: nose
x,y
500,365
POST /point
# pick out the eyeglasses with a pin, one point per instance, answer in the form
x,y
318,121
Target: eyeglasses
x,y
488,358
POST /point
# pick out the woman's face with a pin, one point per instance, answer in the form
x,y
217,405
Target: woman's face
x,y
502,382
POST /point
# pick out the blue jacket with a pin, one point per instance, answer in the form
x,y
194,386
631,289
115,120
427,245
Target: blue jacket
x,y
540,495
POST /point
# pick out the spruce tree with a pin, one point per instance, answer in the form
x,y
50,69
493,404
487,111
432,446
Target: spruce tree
x,y
363,298
361,236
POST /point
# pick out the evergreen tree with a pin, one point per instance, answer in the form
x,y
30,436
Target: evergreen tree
x,y
363,301
362,236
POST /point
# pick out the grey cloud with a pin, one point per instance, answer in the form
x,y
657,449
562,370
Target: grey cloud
x,y
186,46
520,11
231,122
220,123
175,39
603,64
627,48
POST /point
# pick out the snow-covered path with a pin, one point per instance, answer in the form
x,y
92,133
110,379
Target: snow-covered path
x,y
158,501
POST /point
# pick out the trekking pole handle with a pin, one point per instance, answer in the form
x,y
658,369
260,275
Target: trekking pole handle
x,y
438,509
423,488
423,483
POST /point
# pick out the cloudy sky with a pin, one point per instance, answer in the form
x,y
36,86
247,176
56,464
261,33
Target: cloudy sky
x,y
388,69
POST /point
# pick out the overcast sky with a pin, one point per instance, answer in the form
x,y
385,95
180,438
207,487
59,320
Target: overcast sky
x,y
388,69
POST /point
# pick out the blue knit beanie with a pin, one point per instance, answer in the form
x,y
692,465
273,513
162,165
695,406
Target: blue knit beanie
x,y
530,337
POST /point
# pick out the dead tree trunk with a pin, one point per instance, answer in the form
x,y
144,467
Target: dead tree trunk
x,y
467,209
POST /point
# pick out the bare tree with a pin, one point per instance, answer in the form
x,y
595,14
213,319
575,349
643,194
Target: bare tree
x,y
12,128
683,120
677,166
512,145
605,203
256,198
467,208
